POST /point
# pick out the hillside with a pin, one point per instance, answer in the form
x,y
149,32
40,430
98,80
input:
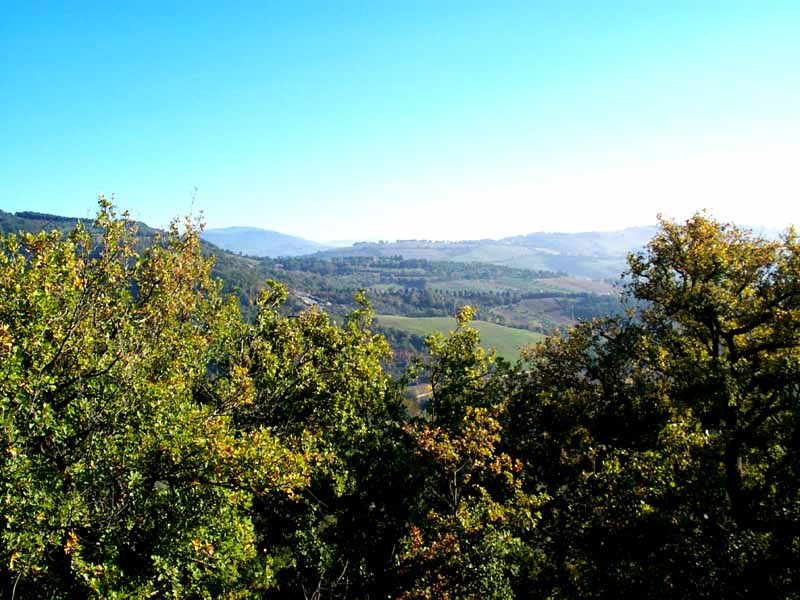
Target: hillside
x,y
594,255
253,241
590,243
35,221
414,295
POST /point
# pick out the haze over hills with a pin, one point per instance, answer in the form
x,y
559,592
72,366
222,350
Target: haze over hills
x,y
254,241
589,243
592,254
596,255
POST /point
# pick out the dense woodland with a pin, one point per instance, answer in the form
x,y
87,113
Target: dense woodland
x,y
158,444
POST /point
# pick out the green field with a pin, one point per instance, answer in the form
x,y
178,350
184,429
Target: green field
x,y
506,340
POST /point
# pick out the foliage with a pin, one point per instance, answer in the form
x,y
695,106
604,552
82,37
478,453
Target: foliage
x,y
465,538
156,444
115,481
666,439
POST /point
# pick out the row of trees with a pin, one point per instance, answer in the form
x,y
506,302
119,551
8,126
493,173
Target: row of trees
x,y
155,445
390,269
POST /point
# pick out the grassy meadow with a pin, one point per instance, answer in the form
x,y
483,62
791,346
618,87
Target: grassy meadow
x,y
507,340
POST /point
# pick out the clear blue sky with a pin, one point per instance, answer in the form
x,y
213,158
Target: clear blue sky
x,y
463,119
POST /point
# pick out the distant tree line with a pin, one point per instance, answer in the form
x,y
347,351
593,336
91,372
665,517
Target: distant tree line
x,y
399,266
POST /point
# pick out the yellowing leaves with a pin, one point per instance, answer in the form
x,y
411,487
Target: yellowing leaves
x,y
71,545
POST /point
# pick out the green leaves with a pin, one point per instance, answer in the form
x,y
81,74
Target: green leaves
x,y
153,444
110,468
656,435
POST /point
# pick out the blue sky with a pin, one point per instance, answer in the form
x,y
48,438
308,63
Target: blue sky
x,y
446,120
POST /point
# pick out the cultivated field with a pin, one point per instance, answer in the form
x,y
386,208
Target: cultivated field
x,y
506,340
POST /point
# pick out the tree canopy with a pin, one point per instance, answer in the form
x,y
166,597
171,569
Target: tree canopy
x,y
155,444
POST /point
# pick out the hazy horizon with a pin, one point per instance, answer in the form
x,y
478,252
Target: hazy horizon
x,y
447,121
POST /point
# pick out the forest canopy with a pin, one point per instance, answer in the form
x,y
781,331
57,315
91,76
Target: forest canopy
x,y
155,444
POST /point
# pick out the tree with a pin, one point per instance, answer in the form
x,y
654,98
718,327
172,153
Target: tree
x,y
116,481
465,538
320,388
667,438
726,305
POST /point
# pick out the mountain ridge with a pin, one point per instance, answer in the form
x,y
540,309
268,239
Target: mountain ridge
x,y
255,241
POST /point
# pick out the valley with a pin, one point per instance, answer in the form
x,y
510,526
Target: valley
x,y
414,286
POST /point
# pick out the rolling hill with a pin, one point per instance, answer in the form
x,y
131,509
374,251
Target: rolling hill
x,y
595,255
253,241
414,297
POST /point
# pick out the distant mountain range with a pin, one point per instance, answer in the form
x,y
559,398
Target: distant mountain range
x,y
253,241
594,255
